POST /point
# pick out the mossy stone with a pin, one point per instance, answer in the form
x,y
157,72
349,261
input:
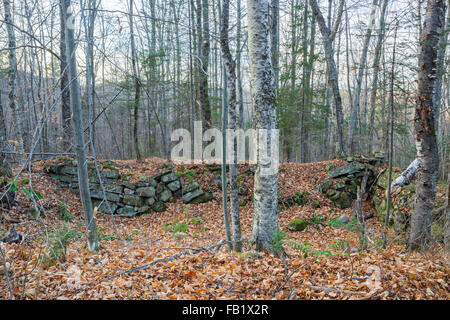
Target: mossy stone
x,y
203,198
298,224
344,201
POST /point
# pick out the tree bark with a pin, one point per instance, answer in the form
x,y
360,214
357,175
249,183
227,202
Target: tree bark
x,y
362,67
91,229
12,74
425,127
66,113
376,70
137,85
230,78
203,86
265,217
327,38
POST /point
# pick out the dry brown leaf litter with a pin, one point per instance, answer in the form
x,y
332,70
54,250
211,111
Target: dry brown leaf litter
x,y
376,274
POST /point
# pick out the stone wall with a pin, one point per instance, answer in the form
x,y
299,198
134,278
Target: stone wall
x,y
122,198
402,204
342,183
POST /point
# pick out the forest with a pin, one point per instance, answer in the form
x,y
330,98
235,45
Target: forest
x,y
224,150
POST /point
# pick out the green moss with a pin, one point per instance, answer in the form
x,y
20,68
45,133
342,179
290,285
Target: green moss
x,y
243,202
298,224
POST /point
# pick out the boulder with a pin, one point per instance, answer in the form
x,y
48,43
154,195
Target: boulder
x,y
133,200
146,192
69,170
169,177
174,186
325,185
165,195
158,176
129,185
203,198
191,187
127,211
344,201
113,188
188,197
150,201
97,194
114,175
347,169
103,206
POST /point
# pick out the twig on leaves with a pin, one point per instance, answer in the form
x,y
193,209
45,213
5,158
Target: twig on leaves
x,y
216,248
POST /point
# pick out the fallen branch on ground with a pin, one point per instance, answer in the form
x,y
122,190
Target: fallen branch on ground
x,y
170,258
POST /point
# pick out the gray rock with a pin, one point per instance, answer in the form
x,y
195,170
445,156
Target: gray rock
x,y
169,177
188,197
344,201
150,201
350,168
191,187
55,176
69,170
160,189
129,185
178,193
128,191
127,212
158,176
144,209
325,185
103,206
165,195
133,200
66,179
203,198
56,168
109,175
146,192
113,188
343,219
174,186
97,194
339,186
148,181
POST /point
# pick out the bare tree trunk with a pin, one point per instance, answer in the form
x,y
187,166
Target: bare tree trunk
x,y
240,94
91,228
265,217
275,40
137,85
424,127
203,85
304,119
328,37
90,81
391,140
5,169
230,78
362,67
292,101
375,71
12,72
66,114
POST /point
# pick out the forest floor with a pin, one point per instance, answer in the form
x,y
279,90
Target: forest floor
x,y
329,267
